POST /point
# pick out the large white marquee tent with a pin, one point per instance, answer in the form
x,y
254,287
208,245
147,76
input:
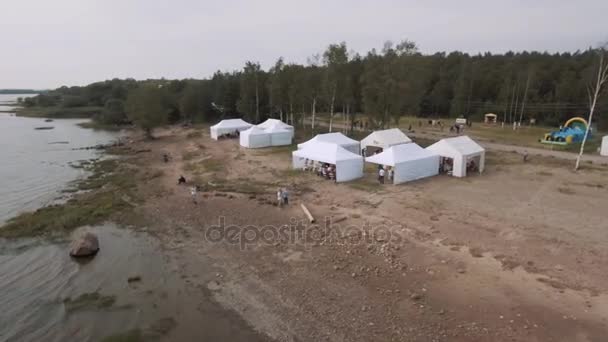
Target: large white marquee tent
x,y
385,138
461,150
254,137
228,126
604,148
409,162
336,139
349,165
280,136
271,132
275,123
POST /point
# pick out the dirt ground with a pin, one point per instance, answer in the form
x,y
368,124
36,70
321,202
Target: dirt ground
x,y
515,254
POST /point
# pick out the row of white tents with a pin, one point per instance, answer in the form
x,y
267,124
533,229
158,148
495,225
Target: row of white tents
x,y
271,132
408,160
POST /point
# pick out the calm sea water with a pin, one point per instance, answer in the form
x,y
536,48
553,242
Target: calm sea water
x,y
38,276
35,164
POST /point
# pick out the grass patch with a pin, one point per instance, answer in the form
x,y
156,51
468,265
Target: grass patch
x,y
101,126
113,187
59,112
194,135
189,155
241,186
134,335
366,184
287,149
204,166
591,185
89,301
566,191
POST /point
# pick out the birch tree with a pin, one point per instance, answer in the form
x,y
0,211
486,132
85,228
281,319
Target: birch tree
x,y
335,59
594,90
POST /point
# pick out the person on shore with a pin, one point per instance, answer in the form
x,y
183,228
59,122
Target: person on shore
x,y
279,198
285,195
193,194
181,180
525,156
381,175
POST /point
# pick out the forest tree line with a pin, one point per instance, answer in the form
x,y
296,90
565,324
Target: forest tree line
x,y
384,84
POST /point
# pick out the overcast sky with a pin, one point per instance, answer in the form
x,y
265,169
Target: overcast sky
x,y
49,43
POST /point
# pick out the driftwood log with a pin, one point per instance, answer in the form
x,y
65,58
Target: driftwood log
x,y
307,213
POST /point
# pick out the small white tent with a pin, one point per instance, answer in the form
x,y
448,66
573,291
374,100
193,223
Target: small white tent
x,y
336,139
385,139
279,136
349,165
604,148
229,126
254,137
275,123
410,162
461,150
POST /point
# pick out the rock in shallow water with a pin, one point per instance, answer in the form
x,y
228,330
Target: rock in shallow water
x,y
85,245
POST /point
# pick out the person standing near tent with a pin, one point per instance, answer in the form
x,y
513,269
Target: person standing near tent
x,y
279,198
381,175
390,174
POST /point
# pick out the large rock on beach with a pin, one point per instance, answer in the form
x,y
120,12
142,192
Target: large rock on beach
x,y
85,245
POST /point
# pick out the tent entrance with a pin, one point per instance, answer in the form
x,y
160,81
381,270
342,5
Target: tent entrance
x,y
473,164
446,165
371,150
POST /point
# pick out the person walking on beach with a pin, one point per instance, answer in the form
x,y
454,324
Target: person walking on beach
x,y
285,195
279,198
193,194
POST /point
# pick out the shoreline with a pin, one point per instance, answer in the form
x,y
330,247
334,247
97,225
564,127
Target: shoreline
x,y
422,287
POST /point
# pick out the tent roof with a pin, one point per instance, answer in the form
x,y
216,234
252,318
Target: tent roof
x,y
274,123
254,130
490,114
462,145
332,138
325,152
231,123
399,154
387,137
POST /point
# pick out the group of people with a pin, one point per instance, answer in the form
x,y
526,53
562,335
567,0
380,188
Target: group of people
x,y
325,170
231,135
282,197
385,173
446,165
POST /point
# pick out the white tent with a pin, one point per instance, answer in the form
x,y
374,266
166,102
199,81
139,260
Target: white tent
x,y
228,127
275,123
461,150
255,137
349,165
604,148
279,136
410,162
385,139
336,139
